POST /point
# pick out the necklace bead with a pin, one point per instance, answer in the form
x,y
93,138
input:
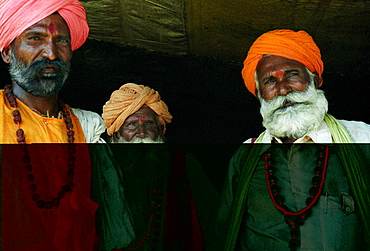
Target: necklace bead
x,y
296,219
153,229
27,159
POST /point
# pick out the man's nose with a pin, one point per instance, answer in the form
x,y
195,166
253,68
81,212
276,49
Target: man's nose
x,y
141,131
283,88
50,50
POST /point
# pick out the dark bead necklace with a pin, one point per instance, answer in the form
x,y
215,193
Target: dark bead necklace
x,y
155,218
296,219
27,159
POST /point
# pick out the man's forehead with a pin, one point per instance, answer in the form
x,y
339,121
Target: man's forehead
x,y
143,114
51,28
277,63
53,23
141,118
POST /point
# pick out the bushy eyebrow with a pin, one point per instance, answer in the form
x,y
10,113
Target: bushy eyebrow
x,y
37,33
64,36
290,71
44,34
285,72
266,79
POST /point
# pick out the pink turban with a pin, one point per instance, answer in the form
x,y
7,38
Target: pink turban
x,y
290,44
127,100
18,15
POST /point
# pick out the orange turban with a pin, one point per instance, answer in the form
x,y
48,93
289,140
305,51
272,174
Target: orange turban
x,y
127,100
18,15
290,44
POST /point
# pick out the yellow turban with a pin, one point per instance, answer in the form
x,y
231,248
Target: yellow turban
x,y
127,100
290,44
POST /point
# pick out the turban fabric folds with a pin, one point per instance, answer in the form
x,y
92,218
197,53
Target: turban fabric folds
x,y
18,15
290,44
129,99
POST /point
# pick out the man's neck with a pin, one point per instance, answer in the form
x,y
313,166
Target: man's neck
x,y
287,140
43,105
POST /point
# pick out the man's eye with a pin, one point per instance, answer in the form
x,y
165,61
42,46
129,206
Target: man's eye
x,y
131,126
270,81
66,41
294,74
34,38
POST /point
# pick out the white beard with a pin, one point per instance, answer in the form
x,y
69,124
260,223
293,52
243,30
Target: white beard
x,y
297,120
158,140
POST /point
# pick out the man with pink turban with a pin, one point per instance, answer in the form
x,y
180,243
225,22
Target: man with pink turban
x,y
46,200
296,186
171,199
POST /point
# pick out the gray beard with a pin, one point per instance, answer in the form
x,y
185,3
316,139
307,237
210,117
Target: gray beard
x,y
31,79
296,120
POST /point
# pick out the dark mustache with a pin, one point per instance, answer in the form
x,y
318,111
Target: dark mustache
x,y
41,63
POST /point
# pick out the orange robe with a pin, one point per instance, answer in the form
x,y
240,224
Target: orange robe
x,y
37,129
70,225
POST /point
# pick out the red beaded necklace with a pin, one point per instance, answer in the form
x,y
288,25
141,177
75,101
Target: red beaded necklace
x,y
296,219
27,159
154,220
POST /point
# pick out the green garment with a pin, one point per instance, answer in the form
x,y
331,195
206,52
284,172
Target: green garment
x,y
114,220
140,168
351,157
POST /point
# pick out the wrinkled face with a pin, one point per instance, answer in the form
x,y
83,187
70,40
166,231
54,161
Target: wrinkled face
x,y
279,76
291,105
141,124
39,59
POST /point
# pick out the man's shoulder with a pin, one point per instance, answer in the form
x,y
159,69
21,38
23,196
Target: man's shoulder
x,y
92,124
242,151
81,112
2,95
354,124
359,130
87,116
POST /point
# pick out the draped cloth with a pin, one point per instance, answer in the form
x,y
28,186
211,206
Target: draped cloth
x,y
351,157
293,45
69,226
114,217
37,129
127,100
18,15
185,220
180,210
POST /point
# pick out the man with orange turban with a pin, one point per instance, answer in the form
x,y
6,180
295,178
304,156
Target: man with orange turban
x,y
46,201
171,199
296,186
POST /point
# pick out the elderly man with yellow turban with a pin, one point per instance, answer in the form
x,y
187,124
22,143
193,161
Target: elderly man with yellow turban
x,y
171,199
46,200
296,186
136,114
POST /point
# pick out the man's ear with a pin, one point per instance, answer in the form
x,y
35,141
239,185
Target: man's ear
x,y
256,93
317,79
161,130
6,54
116,137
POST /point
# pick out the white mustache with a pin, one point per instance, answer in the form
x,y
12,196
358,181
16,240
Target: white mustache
x,y
138,140
291,99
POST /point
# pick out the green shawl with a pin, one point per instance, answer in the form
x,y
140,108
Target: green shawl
x,y
114,219
353,162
